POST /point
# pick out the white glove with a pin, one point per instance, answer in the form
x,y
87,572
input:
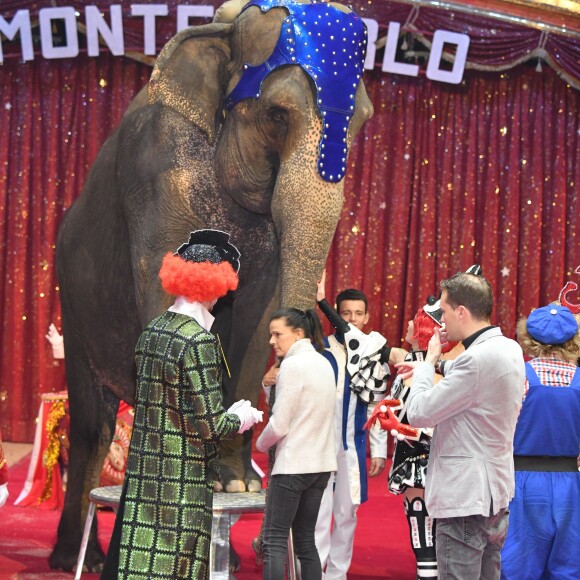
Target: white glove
x,y
237,405
3,493
56,340
247,414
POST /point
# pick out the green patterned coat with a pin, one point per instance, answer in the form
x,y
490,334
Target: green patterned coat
x,y
179,422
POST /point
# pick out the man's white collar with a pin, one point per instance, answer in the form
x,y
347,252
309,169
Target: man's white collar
x,y
193,310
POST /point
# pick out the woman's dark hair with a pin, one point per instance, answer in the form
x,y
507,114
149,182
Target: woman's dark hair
x,y
307,320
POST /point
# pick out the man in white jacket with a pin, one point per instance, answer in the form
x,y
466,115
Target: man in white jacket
x,y
474,408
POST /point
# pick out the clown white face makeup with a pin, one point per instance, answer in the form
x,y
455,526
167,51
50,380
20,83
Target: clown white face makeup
x,y
282,336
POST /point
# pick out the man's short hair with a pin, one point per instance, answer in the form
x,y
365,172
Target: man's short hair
x,y
351,294
471,291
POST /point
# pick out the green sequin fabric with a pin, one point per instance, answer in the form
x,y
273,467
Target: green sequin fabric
x,y
179,422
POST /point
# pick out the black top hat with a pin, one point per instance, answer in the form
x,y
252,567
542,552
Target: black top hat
x,y
210,246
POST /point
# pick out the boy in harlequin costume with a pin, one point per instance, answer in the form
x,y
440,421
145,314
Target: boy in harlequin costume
x,y
543,539
411,453
163,526
360,362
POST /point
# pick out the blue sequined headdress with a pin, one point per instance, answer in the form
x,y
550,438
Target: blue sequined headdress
x,y
330,46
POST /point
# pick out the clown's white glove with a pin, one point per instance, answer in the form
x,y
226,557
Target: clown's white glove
x,y
247,414
3,494
237,405
56,340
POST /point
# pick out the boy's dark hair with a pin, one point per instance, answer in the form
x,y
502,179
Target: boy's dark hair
x,y
473,292
351,294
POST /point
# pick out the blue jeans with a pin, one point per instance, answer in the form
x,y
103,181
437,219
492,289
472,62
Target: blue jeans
x,y
293,502
469,547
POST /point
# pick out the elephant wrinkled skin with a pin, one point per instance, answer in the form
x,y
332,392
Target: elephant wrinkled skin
x,y
178,162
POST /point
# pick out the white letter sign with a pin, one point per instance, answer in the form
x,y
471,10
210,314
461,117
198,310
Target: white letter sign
x,y
20,22
184,13
389,63
112,36
454,75
71,47
149,12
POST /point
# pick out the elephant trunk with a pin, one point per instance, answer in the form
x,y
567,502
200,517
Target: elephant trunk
x,y
305,210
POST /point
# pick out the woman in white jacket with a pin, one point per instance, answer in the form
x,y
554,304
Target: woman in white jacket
x,y
302,428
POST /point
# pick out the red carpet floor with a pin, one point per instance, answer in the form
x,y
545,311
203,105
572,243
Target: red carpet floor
x,y
381,543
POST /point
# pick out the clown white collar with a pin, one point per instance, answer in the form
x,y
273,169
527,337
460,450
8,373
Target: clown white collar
x,y
194,310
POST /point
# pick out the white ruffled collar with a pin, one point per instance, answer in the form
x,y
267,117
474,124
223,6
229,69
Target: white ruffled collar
x,y
194,310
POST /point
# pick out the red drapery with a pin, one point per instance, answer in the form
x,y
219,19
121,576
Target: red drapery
x,y
441,177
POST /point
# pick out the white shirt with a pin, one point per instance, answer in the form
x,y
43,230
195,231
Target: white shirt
x,y
194,310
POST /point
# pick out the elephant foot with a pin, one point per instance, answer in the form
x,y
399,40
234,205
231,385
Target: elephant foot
x,y
64,557
235,485
253,485
236,471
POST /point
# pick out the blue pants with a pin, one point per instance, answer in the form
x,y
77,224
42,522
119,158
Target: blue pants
x,y
543,539
293,502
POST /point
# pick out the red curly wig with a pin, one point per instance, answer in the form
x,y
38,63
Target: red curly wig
x,y
424,327
197,281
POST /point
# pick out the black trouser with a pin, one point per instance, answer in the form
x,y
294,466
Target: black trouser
x,y
293,502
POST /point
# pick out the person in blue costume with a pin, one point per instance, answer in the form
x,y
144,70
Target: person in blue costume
x,y
543,538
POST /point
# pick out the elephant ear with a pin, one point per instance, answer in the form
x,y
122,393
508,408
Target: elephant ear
x,y
191,75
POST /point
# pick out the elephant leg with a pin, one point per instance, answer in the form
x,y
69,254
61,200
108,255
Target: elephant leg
x,y
252,479
93,410
231,474
236,471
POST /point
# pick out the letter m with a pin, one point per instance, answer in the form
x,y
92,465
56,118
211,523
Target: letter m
x,y
20,22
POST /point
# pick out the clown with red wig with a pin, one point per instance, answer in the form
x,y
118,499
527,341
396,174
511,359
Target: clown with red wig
x,y
163,526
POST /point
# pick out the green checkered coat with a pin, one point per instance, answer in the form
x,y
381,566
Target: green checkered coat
x,y
179,422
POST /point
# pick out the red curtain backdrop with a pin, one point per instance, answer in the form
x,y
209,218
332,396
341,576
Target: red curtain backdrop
x,y
443,176
54,117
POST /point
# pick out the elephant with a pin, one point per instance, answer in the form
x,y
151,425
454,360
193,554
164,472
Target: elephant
x,y
230,133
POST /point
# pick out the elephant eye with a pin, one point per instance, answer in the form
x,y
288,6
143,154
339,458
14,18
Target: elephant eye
x,y
278,115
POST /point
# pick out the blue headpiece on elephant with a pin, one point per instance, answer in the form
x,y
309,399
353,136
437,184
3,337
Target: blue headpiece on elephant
x,y
315,37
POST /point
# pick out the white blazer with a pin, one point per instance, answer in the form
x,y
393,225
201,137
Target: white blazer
x,y
474,409
302,421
